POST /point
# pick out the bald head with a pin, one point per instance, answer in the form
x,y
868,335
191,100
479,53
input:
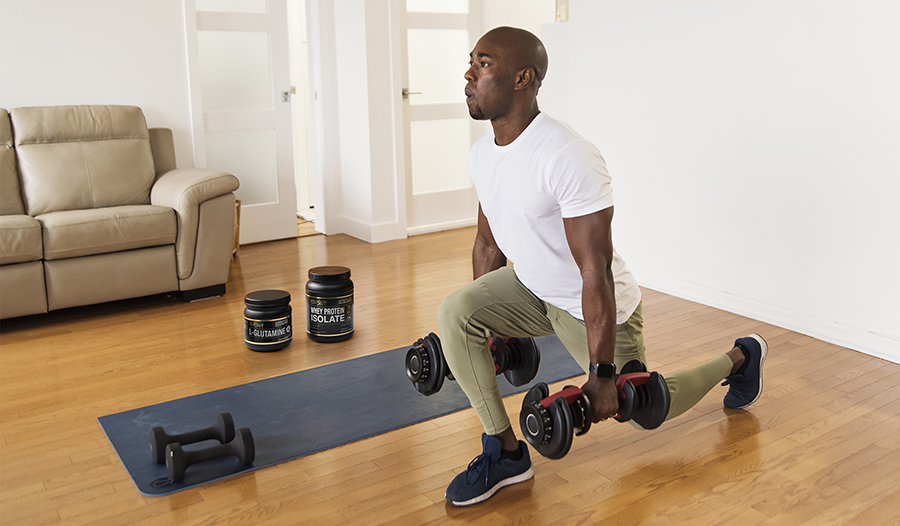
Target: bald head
x,y
506,68
521,49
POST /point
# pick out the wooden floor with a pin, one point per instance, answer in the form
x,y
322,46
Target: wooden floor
x,y
820,446
306,228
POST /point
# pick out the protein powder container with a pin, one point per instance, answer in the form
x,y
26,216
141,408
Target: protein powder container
x,y
329,304
267,320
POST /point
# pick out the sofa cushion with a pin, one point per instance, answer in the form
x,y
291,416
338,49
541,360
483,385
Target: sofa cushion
x,y
81,157
20,239
74,233
10,197
110,277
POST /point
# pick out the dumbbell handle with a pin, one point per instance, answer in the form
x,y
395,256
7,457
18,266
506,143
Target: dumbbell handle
x,y
571,393
179,460
501,365
635,379
222,430
209,453
198,435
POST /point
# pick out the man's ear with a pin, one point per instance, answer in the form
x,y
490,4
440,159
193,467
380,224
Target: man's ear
x,y
525,78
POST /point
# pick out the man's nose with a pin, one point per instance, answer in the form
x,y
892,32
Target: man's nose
x,y
468,76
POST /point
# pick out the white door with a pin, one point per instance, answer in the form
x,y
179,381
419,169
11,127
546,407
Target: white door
x,y
438,131
240,100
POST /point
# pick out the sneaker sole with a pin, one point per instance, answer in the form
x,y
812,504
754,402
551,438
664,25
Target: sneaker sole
x,y
764,348
503,483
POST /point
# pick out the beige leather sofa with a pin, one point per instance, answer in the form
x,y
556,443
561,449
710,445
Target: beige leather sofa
x,y
92,209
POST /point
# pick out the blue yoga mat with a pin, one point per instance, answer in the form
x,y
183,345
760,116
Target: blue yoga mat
x,y
302,413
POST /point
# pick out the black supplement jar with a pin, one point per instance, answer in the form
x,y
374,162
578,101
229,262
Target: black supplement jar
x,y
267,320
329,304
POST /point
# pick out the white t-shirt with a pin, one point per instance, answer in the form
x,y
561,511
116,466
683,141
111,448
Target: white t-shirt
x,y
526,188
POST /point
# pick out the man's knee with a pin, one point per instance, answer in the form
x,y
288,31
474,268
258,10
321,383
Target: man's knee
x,y
457,308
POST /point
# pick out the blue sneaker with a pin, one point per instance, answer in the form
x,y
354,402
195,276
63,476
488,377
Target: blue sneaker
x,y
487,473
746,387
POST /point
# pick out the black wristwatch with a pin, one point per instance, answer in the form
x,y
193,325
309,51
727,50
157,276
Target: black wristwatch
x,y
603,370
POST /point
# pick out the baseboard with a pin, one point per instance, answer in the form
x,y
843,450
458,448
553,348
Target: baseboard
x,y
439,227
391,231
880,345
371,233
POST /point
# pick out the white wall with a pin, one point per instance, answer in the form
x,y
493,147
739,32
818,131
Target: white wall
x,y
59,52
754,152
526,14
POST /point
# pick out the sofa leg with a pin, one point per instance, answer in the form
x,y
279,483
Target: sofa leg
x,y
203,292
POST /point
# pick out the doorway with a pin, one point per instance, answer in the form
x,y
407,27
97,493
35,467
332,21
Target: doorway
x,y
300,108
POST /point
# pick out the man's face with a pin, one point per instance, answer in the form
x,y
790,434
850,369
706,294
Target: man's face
x,y
491,84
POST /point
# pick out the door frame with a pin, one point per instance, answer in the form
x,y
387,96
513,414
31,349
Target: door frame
x,y
300,108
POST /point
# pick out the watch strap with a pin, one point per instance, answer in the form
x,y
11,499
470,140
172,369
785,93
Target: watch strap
x,y
603,369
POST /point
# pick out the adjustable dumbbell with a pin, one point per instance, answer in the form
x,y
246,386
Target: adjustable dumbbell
x,y
223,431
516,358
178,460
549,422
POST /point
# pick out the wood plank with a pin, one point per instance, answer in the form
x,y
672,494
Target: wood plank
x,y
806,452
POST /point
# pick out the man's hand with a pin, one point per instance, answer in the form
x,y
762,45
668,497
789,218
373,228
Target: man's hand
x,y
603,396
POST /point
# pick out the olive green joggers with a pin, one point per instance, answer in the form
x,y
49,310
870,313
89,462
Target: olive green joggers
x,y
497,304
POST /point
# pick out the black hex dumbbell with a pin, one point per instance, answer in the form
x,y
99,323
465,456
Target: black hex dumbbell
x,y
223,431
517,359
549,422
178,459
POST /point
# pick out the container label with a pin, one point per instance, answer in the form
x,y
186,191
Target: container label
x,y
329,317
267,332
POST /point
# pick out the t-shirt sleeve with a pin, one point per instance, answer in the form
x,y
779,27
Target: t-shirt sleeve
x,y
580,181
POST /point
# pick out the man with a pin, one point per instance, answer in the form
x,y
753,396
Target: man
x,y
545,202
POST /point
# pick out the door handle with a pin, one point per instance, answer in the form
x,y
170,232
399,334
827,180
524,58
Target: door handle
x,y
406,93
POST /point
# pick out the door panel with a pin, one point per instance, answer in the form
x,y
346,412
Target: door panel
x,y
239,54
235,70
440,154
246,151
432,56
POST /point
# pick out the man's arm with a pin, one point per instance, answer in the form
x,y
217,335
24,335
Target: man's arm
x,y
590,240
486,255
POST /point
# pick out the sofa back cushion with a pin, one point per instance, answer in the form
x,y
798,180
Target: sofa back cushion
x,y
10,197
80,157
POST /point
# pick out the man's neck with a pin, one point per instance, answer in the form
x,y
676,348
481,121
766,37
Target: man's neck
x,y
508,128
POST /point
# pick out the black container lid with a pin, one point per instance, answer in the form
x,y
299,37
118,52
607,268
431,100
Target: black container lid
x,y
267,298
329,273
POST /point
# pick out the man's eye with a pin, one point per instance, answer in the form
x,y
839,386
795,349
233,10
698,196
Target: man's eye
x,y
484,64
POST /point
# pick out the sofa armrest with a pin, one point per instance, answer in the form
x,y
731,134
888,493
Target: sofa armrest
x,y
162,146
184,190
